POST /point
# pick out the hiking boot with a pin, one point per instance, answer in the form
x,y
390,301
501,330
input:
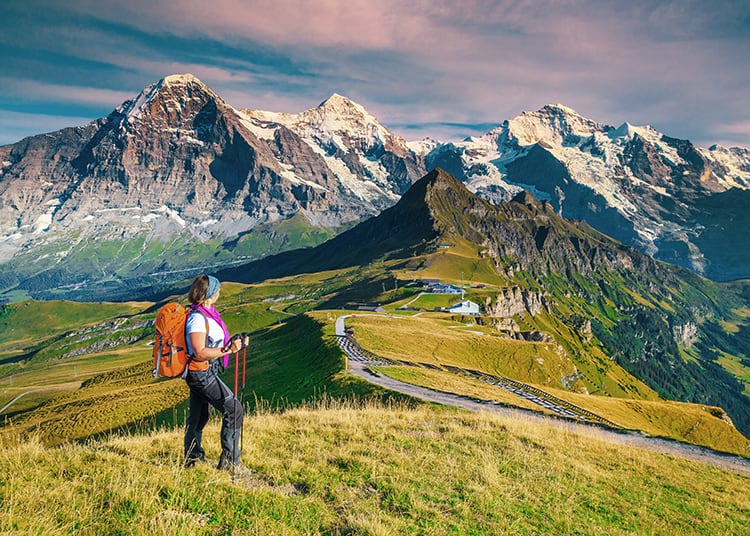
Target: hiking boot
x,y
190,462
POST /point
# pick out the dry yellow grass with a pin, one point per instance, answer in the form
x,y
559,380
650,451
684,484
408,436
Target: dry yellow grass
x,y
428,340
346,469
691,423
461,258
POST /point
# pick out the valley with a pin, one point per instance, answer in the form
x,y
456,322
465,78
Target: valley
x,y
584,329
329,449
78,389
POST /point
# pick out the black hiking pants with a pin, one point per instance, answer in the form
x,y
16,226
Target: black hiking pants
x,y
207,389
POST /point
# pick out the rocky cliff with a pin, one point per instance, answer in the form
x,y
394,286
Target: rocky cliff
x,y
179,171
514,301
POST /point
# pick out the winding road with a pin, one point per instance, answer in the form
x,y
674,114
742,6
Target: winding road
x,y
568,416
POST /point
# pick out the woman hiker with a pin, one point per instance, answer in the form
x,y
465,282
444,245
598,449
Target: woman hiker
x,y
209,343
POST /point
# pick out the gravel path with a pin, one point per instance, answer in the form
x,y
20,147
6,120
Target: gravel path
x,y
9,404
360,367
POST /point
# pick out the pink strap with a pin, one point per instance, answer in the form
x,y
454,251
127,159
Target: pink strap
x,y
214,314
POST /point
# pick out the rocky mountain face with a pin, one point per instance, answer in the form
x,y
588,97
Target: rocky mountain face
x,y
364,157
178,145
177,180
633,183
523,235
178,168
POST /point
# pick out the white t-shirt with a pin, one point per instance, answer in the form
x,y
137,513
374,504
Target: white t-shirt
x,y
196,323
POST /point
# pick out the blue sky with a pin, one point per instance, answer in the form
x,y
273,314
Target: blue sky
x,y
436,68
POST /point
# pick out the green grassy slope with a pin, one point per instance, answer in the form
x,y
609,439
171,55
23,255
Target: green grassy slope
x,y
112,268
67,396
439,341
295,358
616,313
24,325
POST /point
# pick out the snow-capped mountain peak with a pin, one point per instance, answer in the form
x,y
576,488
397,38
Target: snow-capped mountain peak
x,y
340,115
553,124
351,141
335,118
170,94
181,80
561,108
343,106
731,165
178,144
628,131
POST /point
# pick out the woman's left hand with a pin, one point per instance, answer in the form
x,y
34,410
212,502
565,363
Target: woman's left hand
x,y
234,347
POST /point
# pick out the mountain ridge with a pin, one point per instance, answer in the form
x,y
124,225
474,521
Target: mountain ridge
x,y
178,167
633,183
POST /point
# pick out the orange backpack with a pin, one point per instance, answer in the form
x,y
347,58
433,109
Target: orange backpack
x,y
171,357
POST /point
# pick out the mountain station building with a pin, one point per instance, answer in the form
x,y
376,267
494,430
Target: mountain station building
x,y
465,307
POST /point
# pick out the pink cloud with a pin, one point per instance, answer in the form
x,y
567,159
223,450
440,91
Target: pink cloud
x,y
279,22
468,61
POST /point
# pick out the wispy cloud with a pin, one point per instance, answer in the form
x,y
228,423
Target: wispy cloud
x,y
728,134
675,64
71,94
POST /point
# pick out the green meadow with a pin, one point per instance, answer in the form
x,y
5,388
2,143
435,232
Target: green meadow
x,y
93,444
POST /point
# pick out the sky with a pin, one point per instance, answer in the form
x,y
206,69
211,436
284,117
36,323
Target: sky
x,y
439,68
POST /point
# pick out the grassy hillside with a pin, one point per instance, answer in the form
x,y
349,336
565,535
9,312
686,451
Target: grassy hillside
x,y
33,323
109,267
93,379
632,326
690,423
442,342
460,258
86,395
343,465
350,469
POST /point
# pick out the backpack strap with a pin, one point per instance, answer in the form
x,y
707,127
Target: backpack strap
x,y
192,356
157,356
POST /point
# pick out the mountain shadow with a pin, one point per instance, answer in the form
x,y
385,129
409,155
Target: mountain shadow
x,y
398,232
523,232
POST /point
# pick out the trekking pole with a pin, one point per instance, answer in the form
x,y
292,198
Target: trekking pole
x,y
244,361
245,336
234,430
236,370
